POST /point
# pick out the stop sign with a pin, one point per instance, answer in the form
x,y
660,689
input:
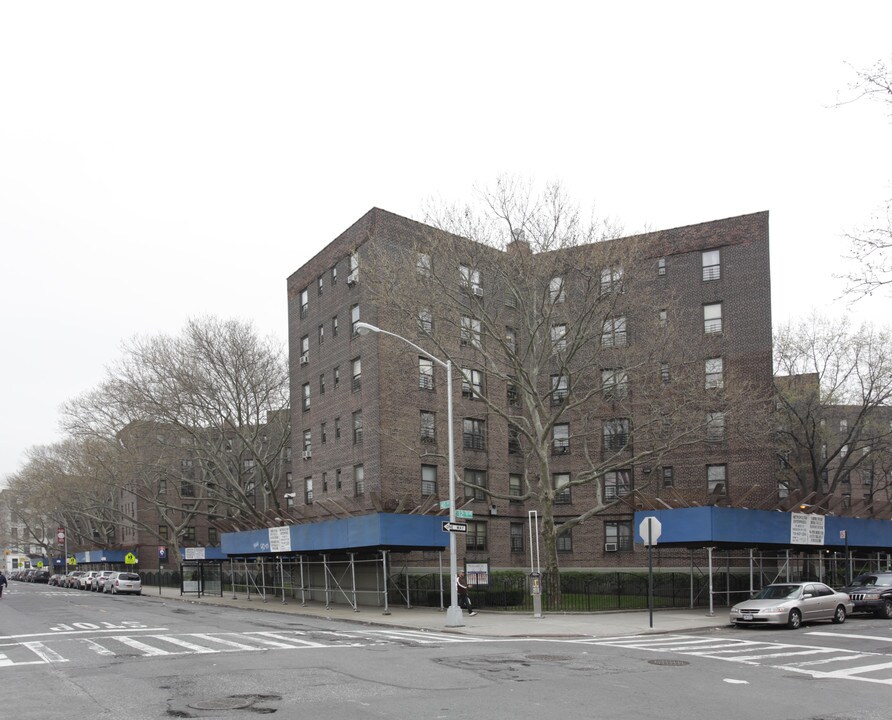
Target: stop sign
x,y
650,530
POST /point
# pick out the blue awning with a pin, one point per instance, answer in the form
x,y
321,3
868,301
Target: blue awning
x,y
737,527
379,531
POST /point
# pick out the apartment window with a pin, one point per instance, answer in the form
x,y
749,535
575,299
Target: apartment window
x,y
867,476
844,450
668,475
358,480
336,374
304,302
213,536
514,447
843,426
715,427
564,541
321,334
476,536
511,391
478,479
423,264
846,478
470,331
712,319
338,484
474,434
334,275
187,489
426,321
515,486
562,494
618,535
357,427
322,384
617,483
189,534
308,490
357,374
428,426
712,265
288,481
613,332
611,280
560,389
471,383
556,289
353,277
661,266
337,428
308,441
664,372
305,350
560,439
289,502
162,486
511,340
187,468
334,326
470,279
715,374
323,433
663,317
516,534
615,382
354,318
428,480
615,434
162,532
783,488
716,482
559,337
320,284
248,465
325,482
847,500
306,396
425,373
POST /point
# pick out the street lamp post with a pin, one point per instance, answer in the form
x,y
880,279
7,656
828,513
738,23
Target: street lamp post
x,y
453,612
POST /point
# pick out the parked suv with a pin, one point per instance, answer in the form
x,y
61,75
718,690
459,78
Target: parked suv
x,y
872,592
86,580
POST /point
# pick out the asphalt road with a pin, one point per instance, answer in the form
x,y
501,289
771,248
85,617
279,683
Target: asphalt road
x,y
65,653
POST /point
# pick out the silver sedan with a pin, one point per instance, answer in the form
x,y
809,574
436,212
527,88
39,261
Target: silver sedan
x,y
792,604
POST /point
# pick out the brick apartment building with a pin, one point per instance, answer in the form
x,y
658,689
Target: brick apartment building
x,y
368,415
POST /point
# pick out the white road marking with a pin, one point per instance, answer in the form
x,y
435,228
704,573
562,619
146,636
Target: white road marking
x,y
44,653
294,642
227,643
197,649
730,681
80,632
146,650
96,647
879,638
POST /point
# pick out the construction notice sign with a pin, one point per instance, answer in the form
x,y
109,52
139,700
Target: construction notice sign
x,y
806,529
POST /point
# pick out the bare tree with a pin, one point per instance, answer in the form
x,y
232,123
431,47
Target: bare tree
x,y
833,389
870,247
551,322
195,424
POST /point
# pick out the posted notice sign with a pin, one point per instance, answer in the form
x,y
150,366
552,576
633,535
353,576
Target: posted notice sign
x,y
806,529
280,539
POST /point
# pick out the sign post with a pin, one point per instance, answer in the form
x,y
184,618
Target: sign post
x,y
650,531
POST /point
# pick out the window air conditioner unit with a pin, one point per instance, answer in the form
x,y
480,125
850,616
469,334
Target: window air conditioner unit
x,y
610,547
478,291
307,455
352,278
304,359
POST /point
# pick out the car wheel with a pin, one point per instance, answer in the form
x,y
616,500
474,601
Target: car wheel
x,y
840,615
886,610
795,619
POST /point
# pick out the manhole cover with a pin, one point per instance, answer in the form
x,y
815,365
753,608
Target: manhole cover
x,y
549,658
224,704
669,663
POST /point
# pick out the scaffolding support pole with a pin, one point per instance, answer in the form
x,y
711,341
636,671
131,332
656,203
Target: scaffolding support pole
x,y
353,577
282,576
384,567
711,612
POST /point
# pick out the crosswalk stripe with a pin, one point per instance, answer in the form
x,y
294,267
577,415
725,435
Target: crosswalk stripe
x,y
293,642
849,672
44,653
227,643
816,651
197,649
146,650
827,661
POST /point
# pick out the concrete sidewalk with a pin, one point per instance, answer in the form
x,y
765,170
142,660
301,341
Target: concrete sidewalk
x,y
495,623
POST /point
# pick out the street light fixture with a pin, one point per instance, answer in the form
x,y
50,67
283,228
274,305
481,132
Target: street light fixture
x,y
453,612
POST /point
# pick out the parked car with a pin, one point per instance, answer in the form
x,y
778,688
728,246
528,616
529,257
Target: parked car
x,y
872,592
85,580
72,579
124,582
99,580
791,604
40,576
56,579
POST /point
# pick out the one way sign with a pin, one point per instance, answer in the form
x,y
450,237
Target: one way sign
x,y
455,527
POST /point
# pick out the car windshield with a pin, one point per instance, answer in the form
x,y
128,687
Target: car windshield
x,y
872,581
128,576
778,592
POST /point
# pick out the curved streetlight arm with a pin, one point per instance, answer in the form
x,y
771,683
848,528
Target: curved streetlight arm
x,y
453,612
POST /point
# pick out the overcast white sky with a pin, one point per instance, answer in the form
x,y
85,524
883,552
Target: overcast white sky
x,y
170,159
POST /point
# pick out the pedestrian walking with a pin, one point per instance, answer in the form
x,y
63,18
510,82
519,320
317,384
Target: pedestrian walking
x,y
464,600
2,583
